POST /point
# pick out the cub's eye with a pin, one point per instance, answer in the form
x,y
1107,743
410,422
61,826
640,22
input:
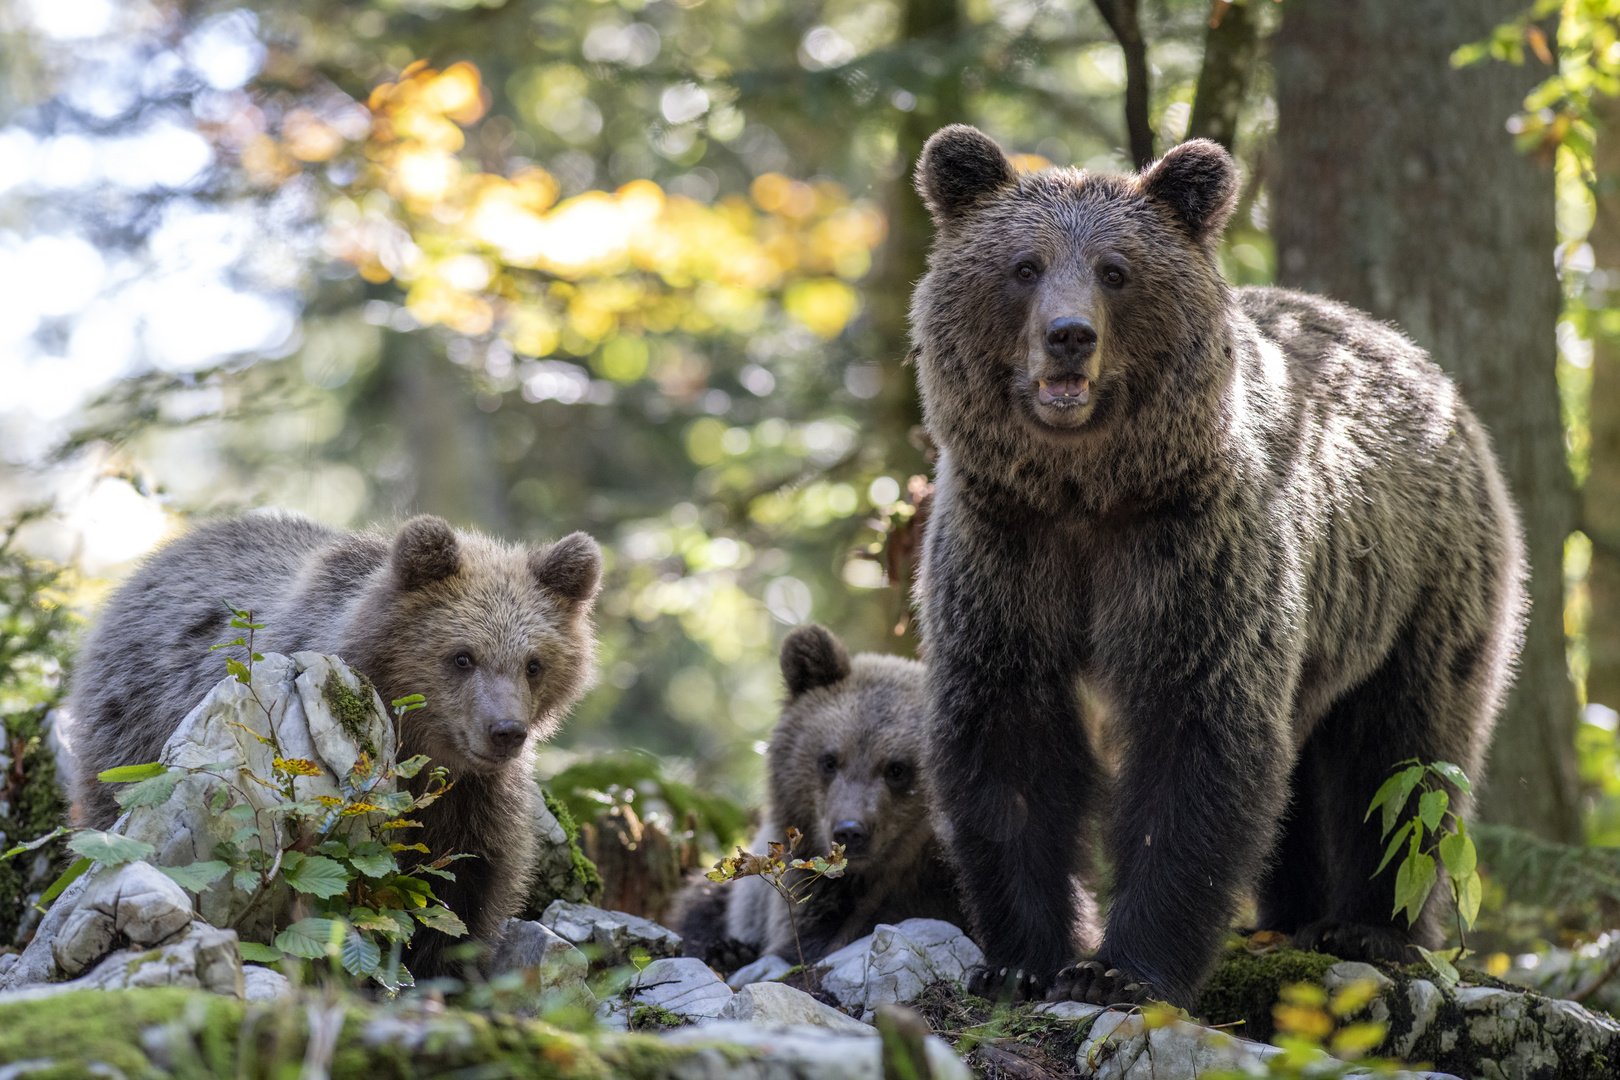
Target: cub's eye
x,y
828,765
534,668
464,661
1027,271
897,773
1113,277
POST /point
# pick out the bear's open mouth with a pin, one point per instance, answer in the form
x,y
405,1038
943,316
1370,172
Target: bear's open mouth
x,y
1068,391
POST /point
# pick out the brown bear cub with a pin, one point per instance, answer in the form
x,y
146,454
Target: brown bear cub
x,y
845,767
1258,528
497,638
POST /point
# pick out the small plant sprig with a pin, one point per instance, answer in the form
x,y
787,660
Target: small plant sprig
x,y
1435,830
773,868
360,896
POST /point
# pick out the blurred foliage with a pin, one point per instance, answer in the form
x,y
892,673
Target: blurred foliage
x,y
642,781
35,627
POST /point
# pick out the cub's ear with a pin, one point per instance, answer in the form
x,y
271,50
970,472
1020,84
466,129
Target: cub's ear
x,y
571,568
960,166
1198,182
812,657
425,551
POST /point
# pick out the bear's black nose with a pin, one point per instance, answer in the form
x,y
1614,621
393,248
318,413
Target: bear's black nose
x,y
1070,340
507,735
853,835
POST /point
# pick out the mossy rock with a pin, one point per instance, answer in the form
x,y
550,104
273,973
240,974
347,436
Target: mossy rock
x,y
576,880
1244,987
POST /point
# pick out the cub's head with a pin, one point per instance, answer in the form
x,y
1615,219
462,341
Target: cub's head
x,y
498,638
847,757
1054,301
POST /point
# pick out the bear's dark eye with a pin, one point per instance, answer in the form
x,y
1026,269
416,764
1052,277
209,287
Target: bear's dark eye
x,y
897,773
464,661
1027,271
828,764
1113,276
534,668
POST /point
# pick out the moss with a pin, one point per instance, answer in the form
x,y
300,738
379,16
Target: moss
x,y
1244,987
33,805
655,1018
351,710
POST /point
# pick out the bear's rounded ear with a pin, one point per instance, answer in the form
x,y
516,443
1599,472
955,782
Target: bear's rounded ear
x,y
571,568
812,657
1198,181
960,165
425,551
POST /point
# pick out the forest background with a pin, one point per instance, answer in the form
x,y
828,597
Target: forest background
x,y
641,267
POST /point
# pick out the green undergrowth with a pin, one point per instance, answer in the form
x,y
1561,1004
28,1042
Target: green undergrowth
x,y
31,805
181,1033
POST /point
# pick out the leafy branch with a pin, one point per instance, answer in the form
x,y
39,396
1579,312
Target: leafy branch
x,y
773,868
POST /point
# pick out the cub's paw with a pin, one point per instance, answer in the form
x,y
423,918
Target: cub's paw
x,y
996,983
1356,941
1094,983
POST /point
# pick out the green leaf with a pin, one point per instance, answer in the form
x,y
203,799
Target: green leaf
x,y
1469,893
405,704
216,804
246,881
442,919
1444,970
1432,809
375,866
1457,852
254,953
66,878
128,774
197,876
314,874
1446,770
435,871
394,977
393,803
242,641
309,938
151,792
1393,794
240,670
109,849
1394,846
360,954
338,848
36,843
1414,881
411,766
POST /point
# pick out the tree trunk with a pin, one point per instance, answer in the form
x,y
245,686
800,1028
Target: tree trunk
x,y
1600,512
1121,17
1229,51
1398,190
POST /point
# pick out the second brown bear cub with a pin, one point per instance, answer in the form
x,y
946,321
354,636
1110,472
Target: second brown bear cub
x,y
846,766
497,638
1260,528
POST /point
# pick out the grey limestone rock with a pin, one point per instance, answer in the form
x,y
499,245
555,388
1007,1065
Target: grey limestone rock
x,y
682,985
775,1004
526,944
895,962
767,968
134,901
613,934
264,984
797,1053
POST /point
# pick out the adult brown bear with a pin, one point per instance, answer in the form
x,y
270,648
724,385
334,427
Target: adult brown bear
x,y
1257,530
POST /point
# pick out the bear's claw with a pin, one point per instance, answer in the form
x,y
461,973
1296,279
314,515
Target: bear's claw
x,y
1014,984
1091,982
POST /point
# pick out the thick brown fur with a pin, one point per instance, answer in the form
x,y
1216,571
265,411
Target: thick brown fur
x,y
453,615
846,763
1257,529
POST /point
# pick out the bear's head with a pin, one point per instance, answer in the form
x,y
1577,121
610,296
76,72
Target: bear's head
x,y
847,757
497,638
1060,304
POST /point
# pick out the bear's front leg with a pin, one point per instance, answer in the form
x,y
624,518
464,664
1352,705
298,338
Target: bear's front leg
x,y
1018,776
1198,797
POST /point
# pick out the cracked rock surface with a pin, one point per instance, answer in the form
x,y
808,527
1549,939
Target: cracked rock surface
x,y
894,963
613,935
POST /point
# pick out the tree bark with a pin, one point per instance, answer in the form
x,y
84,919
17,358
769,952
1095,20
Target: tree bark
x,y
1230,48
1600,510
1397,190
1121,17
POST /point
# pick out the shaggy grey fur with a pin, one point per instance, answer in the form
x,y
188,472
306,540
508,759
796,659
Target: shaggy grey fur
x,y
491,634
1255,530
847,759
